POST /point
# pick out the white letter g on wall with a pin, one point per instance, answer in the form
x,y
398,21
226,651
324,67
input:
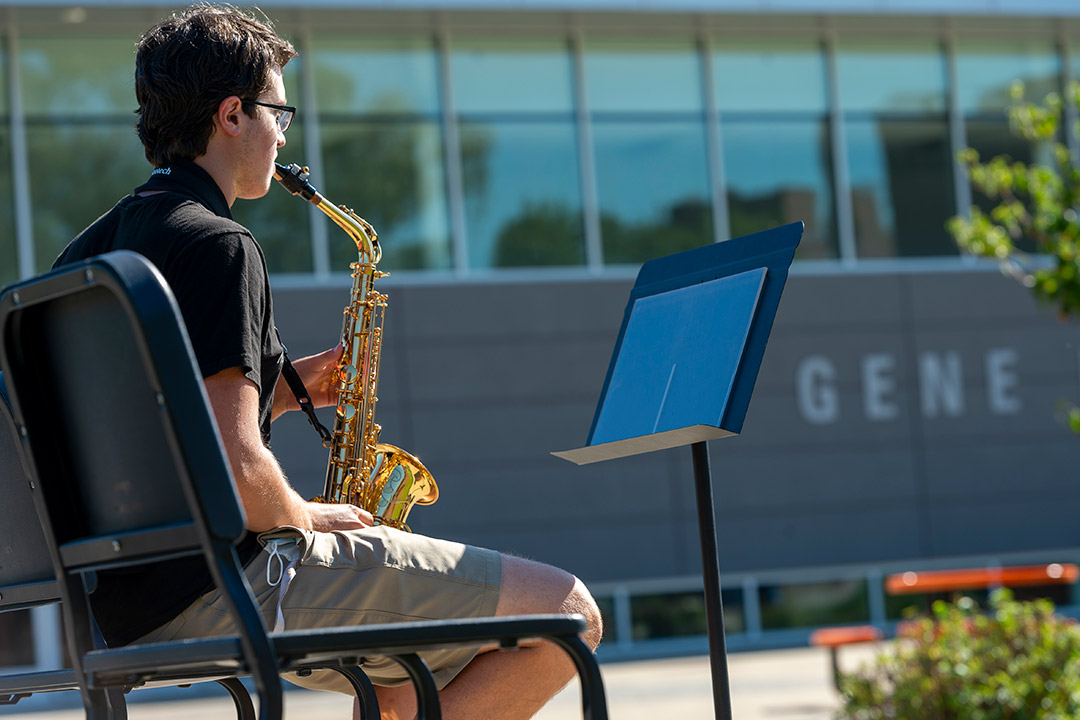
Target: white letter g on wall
x,y
815,390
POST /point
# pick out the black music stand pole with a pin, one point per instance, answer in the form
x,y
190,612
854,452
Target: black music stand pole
x,y
710,565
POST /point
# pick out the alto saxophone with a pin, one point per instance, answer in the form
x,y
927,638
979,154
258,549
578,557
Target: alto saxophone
x,y
382,479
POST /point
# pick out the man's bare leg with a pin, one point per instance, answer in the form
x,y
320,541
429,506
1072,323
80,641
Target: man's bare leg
x,y
516,684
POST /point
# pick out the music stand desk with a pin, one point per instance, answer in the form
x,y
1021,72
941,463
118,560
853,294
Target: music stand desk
x,y
682,373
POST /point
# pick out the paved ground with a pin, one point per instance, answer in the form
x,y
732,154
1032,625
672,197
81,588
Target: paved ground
x,y
768,685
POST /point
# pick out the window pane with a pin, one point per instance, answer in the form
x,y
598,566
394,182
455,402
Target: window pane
x,y
391,174
636,76
1074,64
78,76
69,195
4,78
890,77
9,256
902,189
523,75
672,615
766,76
652,182
375,75
779,171
522,194
826,603
985,71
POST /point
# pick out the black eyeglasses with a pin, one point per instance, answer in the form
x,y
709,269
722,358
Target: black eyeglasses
x,y
284,113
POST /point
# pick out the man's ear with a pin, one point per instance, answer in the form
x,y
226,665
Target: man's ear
x,y
227,117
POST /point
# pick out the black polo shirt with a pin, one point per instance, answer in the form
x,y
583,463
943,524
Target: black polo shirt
x,y
217,272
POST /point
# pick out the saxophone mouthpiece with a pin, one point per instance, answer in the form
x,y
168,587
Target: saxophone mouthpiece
x,y
295,179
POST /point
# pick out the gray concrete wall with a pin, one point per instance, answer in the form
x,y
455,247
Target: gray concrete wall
x,y
895,417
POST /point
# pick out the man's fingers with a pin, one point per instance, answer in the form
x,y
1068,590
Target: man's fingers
x,y
333,355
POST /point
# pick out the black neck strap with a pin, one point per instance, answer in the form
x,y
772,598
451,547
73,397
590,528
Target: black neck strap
x,y
300,392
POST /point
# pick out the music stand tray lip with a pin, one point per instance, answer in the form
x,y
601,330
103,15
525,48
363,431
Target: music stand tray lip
x,y
643,444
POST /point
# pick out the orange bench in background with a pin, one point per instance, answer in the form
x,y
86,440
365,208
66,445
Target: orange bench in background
x,y
933,581
937,581
835,638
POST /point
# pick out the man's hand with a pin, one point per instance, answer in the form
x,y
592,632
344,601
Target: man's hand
x,y
317,373
326,517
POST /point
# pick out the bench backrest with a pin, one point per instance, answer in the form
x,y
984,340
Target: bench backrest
x,y
26,572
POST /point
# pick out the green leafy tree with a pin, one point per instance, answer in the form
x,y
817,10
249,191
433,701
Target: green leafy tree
x,y
1019,661
543,234
1036,205
1033,229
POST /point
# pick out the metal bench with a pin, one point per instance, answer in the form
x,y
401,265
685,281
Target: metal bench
x,y
112,413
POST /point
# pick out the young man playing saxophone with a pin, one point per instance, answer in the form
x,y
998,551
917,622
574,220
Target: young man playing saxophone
x,y
212,117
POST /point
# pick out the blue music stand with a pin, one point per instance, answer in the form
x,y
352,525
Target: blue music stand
x,y
682,373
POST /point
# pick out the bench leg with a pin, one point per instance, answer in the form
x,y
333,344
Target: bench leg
x,y
834,657
593,700
427,693
117,703
245,710
12,699
365,691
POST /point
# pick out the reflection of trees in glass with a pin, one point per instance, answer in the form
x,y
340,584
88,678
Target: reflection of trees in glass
x,y
78,172
1000,96
279,222
754,213
84,76
688,225
371,76
543,234
476,142
9,265
383,170
384,162
916,100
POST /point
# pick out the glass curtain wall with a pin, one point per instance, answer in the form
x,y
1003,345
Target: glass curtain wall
x,y
379,110
645,100
515,113
381,126
82,148
894,98
777,155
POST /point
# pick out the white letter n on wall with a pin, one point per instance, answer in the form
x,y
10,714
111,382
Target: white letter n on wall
x,y
815,390
942,384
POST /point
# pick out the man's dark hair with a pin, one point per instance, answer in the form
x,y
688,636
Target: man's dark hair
x,y
187,64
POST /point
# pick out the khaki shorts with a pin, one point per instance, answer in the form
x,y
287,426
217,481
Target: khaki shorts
x,y
358,577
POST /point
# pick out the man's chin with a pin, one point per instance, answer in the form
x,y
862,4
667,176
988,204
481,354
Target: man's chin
x,y
256,193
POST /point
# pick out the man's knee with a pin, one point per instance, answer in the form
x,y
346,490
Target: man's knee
x,y
530,587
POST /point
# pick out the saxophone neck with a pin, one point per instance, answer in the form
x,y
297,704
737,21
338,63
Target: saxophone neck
x,y
295,179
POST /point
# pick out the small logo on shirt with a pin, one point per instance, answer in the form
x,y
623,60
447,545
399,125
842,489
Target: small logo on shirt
x,y
162,171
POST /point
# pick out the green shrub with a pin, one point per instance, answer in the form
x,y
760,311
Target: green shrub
x,y
1018,661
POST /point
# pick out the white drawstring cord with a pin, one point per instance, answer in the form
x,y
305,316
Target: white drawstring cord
x,y
286,553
